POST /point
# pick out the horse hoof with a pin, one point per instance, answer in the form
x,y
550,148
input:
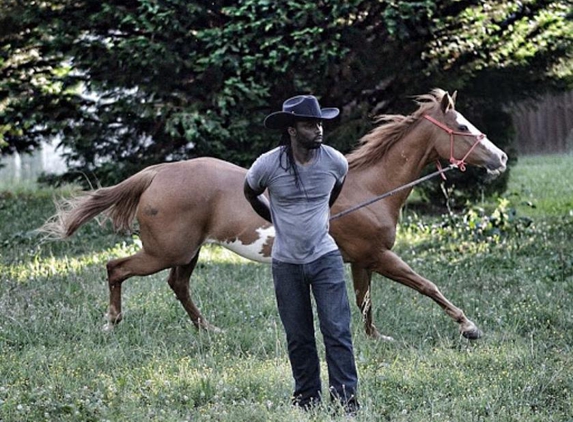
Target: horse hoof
x,y
113,319
216,330
205,326
211,329
111,322
375,334
473,334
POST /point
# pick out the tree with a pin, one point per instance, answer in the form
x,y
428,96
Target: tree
x,y
131,83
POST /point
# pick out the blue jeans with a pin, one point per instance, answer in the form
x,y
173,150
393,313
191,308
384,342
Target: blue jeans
x,y
293,284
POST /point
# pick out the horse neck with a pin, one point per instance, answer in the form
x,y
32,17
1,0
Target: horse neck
x,y
402,164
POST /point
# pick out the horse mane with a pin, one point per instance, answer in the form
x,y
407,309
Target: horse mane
x,y
393,127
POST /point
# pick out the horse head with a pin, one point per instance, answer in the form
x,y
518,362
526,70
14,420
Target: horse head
x,y
460,142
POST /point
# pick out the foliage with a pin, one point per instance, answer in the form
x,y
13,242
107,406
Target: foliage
x,y
131,83
474,228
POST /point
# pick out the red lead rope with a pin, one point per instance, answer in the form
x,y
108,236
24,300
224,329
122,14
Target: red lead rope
x,y
461,164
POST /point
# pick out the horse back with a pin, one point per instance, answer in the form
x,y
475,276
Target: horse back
x,y
196,201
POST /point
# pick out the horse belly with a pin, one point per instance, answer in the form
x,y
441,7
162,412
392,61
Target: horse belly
x,y
257,250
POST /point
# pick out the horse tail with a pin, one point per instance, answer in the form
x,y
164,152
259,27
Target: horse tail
x,y
119,203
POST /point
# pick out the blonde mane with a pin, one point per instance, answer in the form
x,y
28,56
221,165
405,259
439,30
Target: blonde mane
x,y
375,144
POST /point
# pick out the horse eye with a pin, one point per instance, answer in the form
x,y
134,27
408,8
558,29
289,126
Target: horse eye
x,y
463,128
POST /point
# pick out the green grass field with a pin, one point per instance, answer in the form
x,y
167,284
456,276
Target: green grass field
x,y
510,269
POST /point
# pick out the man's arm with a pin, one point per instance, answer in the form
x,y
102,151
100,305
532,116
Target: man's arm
x,y
258,201
335,192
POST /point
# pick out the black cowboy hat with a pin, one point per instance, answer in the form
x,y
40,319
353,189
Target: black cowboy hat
x,y
299,107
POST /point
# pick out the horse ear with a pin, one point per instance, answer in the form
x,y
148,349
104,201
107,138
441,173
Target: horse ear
x,y
447,103
454,97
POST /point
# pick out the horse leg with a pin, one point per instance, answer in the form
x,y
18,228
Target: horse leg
x,y
179,282
391,265
361,279
119,270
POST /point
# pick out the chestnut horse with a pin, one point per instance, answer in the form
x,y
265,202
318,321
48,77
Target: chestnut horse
x,y
183,205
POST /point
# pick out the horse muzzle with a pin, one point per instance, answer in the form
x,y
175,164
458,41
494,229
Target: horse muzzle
x,y
496,166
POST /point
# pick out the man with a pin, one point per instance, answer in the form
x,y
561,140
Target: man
x,y
304,178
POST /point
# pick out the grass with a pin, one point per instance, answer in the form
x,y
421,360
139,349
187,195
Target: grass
x,y
513,276
543,185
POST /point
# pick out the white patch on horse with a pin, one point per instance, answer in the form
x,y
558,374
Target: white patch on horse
x,y
252,251
485,142
462,121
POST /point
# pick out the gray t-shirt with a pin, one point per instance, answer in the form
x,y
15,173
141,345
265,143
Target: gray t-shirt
x,y
301,213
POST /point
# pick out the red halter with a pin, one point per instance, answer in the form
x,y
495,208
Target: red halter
x,y
461,164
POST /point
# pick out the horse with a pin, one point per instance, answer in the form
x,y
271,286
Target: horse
x,y
181,206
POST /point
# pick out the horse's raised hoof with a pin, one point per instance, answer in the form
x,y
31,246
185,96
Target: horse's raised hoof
x,y
473,334
469,330
108,327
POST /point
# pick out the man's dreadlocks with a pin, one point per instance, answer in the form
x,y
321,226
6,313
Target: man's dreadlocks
x,y
289,161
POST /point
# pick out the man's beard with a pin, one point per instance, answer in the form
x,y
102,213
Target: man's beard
x,y
312,144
